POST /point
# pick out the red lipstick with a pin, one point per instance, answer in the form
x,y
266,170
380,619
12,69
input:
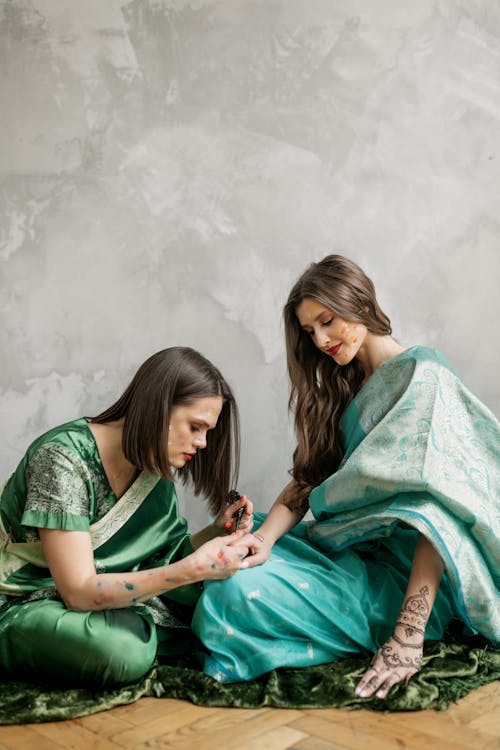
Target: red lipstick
x,y
334,350
188,456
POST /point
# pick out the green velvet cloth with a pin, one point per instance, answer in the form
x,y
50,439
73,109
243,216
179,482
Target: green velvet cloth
x,y
452,668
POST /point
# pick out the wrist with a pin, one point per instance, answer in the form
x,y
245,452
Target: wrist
x,y
186,571
413,629
266,539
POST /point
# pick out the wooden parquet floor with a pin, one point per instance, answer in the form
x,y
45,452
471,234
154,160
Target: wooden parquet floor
x,y
472,724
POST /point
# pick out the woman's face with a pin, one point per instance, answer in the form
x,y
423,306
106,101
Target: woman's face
x,y
189,424
334,336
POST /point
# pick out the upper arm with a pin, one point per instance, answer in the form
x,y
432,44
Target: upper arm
x,y
70,559
57,493
57,505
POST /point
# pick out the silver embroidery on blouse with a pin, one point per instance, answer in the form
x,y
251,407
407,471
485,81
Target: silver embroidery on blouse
x,y
56,482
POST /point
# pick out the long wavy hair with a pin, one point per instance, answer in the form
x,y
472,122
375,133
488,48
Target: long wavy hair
x,y
320,388
169,378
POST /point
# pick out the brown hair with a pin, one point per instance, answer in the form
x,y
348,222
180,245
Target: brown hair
x,y
320,388
174,376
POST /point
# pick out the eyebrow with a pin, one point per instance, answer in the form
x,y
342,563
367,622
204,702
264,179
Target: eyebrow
x,y
202,422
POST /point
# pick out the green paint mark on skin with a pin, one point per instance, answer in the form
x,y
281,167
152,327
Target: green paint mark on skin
x,y
129,586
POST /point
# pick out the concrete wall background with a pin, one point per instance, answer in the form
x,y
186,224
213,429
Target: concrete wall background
x,y
169,167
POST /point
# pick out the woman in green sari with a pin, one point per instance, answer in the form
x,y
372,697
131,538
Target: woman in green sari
x,y
398,462
98,573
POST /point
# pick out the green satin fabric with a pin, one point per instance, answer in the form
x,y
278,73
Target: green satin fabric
x,y
153,534
452,668
38,636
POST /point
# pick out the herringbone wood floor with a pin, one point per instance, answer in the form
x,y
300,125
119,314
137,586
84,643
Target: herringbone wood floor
x,y
472,724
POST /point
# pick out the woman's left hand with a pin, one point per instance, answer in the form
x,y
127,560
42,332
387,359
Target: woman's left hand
x,y
226,520
398,660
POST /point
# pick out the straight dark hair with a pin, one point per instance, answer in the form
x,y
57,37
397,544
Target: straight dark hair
x,y
171,377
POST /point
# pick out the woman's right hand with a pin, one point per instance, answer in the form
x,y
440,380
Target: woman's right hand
x,y
221,557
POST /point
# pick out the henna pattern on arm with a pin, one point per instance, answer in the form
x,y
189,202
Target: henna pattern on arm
x,y
412,620
417,604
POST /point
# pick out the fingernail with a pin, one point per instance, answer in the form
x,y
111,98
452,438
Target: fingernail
x,y
228,525
244,564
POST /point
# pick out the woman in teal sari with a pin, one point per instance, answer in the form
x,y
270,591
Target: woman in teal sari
x,y
98,573
398,462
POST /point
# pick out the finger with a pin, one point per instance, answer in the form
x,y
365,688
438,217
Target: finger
x,y
384,688
236,538
240,503
246,522
409,676
371,680
368,686
247,539
249,504
254,560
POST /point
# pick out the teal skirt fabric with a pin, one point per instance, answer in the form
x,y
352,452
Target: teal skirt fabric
x,y
303,608
420,456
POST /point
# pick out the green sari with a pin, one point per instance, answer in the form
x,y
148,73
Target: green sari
x,y
61,484
421,455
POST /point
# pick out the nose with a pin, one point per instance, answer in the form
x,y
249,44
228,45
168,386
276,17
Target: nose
x,y
200,441
322,339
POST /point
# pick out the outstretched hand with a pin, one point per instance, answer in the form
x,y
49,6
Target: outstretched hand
x,y
398,660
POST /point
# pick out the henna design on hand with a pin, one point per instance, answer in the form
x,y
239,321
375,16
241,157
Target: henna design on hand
x,y
392,658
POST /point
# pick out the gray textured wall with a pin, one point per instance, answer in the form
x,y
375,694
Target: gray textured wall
x,y
169,167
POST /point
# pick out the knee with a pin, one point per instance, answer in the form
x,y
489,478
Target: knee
x,y
128,651
232,594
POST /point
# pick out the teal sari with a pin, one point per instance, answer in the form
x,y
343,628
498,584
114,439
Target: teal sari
x,y
61,484
421,455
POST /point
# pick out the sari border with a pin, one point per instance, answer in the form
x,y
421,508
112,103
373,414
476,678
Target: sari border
x,y
102,531
14,555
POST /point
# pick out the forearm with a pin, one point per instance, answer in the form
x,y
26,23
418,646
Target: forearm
x,y
119,590
70,559
280,518
401,655
423,585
